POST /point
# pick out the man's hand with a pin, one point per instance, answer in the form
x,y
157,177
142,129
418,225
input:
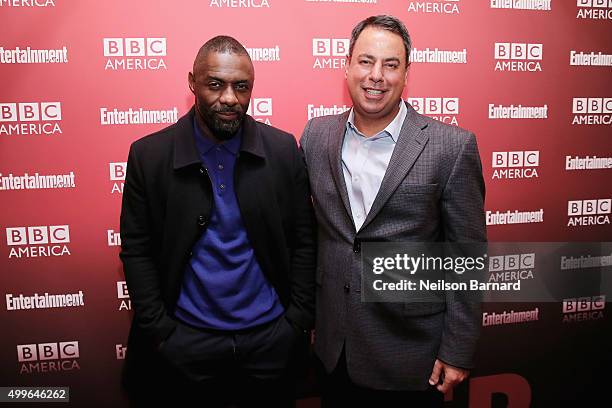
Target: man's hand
x,y
450,375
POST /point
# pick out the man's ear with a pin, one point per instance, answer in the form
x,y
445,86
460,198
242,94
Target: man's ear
x,y
191,81
346,67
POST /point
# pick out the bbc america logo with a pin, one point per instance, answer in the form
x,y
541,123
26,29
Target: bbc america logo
x,y
124,297
330,53
589,212
30,118
135,53
511,268
27,3
442,109
518,57
261,109
594,9
515,165
592,111
583,308
38,241
117,172
437,6
48,357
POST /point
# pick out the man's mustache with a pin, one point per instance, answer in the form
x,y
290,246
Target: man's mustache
x,y
229,110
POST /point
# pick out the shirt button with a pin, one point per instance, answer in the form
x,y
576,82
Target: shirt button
x,y
220,167
222,186
202,221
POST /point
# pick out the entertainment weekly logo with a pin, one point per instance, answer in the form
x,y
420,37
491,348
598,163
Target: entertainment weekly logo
x,y
587,163
510,317
38,241
264,54
436,7
583,308
134,53
517,112
511,268
48,357
315,111
593,58
45,301
239,3
27,3
137,116
443,109
330,53
113,238
30,118
518,57
594,9
261,110
29,55
437,56
592,111
117,176
539,5
123,296
120,351
509,217
582,213
36,181
515,165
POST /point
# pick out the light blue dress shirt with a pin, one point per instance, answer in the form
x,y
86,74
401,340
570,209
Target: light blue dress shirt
x,y
365,161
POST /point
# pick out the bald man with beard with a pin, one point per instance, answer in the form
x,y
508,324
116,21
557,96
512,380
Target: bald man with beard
x,y
218,248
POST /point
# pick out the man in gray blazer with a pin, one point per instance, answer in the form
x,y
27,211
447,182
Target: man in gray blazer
x,y
383,172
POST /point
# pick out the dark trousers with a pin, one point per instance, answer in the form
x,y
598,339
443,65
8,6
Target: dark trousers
x,y
246,368
337,390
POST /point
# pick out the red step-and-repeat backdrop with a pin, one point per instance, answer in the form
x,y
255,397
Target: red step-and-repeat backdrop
x,y
81,80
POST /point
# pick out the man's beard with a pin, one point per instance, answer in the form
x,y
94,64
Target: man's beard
x,y
222,129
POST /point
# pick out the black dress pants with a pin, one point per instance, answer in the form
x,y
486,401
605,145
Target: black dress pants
x,y
338,391
245,368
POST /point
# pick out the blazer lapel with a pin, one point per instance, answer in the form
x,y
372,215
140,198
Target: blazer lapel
x,y
335,140
409,146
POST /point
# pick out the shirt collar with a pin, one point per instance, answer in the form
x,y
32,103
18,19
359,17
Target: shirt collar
x,y
393,128
204,144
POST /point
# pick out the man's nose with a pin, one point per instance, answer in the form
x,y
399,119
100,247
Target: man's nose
x,y
376,73
228,97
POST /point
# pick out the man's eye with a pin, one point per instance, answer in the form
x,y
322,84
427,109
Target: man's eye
x,y
214,85
242,87
364,62
392,66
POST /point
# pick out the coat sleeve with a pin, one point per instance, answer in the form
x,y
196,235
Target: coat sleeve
x,y
463,221
137,255
303,256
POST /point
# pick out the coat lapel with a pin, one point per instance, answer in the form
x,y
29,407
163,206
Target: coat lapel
x,y
335,140
409,146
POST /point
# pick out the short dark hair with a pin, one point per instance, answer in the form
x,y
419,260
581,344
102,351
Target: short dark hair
x,y
221,44
384,22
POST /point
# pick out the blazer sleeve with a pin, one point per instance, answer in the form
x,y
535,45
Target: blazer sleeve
x,y
303,256
137,255
463,221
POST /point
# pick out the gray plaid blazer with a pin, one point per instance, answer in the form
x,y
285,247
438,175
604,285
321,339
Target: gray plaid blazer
x,y
433,190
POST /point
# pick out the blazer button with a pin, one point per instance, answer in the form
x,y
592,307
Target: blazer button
x,y
202,221
356,247
347,288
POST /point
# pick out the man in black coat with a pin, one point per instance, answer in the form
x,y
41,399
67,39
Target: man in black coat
x,y
218,247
